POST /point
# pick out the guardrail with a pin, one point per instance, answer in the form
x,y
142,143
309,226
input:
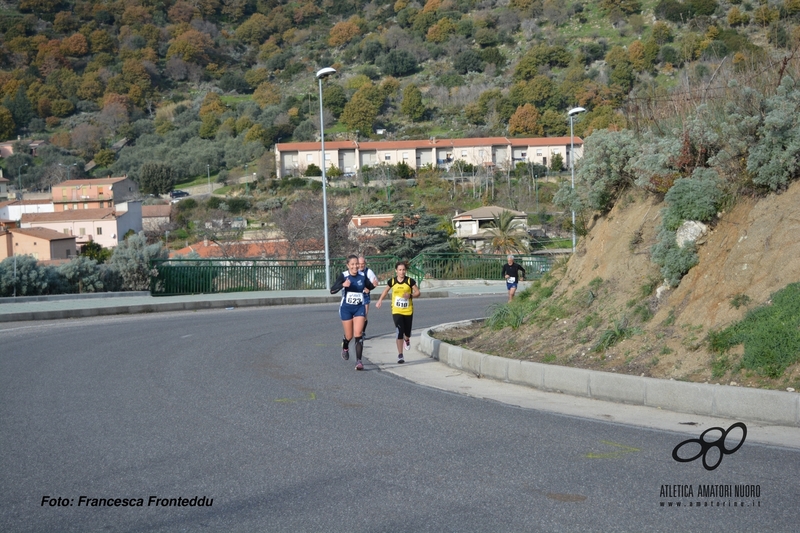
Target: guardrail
x,y
477,266
203,276
170,277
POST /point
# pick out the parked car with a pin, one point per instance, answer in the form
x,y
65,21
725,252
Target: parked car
x,y
178,194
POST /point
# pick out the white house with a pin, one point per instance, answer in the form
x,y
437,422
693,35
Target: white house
x,y
106,226
14,209
350,156
473,226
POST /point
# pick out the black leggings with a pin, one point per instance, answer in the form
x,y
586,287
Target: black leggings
x,y
403,325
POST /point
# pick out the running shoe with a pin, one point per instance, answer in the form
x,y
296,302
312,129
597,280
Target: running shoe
x,y
345,354
359,366
407,344
400,359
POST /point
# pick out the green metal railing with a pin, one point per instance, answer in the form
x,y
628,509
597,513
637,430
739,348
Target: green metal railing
x,y
203,276
475,266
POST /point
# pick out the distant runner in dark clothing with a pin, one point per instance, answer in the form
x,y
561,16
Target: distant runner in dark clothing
x,y
513,274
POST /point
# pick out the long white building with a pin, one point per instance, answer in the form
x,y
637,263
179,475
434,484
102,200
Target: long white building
x,y
350,156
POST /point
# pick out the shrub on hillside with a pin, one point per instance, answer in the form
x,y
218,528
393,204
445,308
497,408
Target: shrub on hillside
x,y
131,259
80,275
775,159
24,276
674,261
696,198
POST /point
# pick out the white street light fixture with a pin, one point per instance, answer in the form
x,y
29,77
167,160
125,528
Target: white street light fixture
x,y
324,73
571,113
69,169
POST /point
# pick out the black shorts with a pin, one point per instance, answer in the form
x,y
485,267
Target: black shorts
x,y
403,325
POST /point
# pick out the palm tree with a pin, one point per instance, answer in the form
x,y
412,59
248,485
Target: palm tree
x,y
507,235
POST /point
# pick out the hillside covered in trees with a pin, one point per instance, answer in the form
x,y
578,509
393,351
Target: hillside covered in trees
x,y
211,85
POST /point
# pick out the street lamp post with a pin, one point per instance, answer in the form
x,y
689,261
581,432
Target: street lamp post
x,y
208,173
19,178
572,112
324,73
69,169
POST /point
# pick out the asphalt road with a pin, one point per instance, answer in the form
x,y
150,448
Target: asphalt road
x,y
255,409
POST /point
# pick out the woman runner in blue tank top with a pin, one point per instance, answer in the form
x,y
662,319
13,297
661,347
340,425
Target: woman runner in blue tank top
x,y
354,286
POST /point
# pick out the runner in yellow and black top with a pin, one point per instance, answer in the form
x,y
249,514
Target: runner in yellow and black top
x,y
404,290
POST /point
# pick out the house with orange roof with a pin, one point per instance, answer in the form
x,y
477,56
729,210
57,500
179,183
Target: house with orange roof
x,y
95,193
106,226
206,249
361,226
492,152
41,243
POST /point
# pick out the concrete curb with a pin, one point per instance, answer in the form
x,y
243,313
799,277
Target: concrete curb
x,y
59,297
759,405
185,305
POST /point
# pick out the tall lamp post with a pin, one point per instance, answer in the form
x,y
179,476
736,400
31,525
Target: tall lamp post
x,y
324,73
572,112
208,173
69,169
19,178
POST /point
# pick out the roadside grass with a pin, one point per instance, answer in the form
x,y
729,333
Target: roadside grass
x,y
526,304
617,332
770,335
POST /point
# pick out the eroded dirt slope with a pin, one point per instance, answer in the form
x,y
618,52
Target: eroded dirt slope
x,y
609,284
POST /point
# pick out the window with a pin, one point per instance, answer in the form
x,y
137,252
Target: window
x,y
63,194
464,154
405,156
523,155
85,205
387,157
309,158
74,206
480,154
539,153
99,231
327,157
66,231
83,232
